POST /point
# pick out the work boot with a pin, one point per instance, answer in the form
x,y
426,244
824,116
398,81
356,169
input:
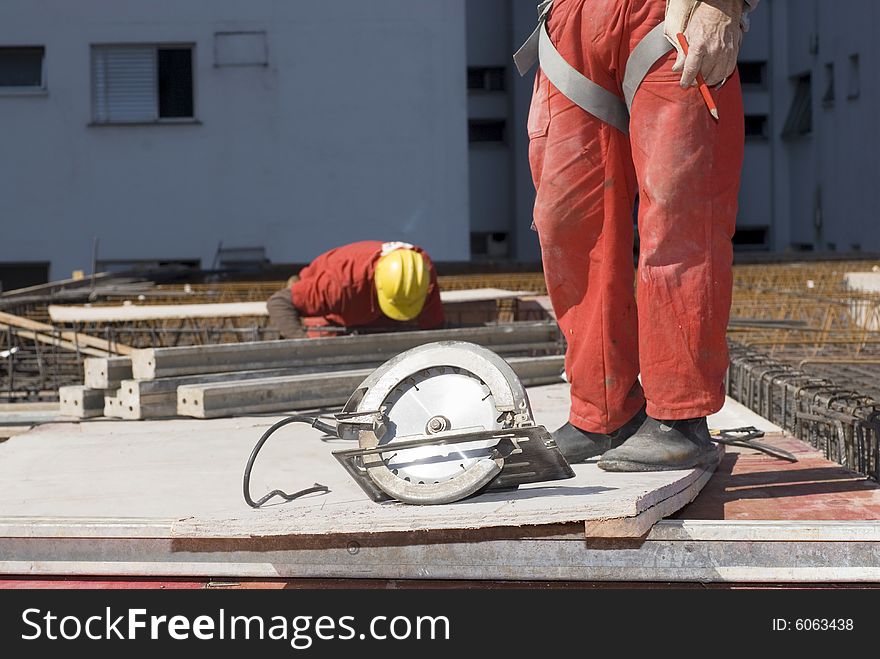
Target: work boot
x,y
577,445
664,446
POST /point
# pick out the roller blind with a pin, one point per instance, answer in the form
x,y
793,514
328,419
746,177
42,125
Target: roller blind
x,y
124,84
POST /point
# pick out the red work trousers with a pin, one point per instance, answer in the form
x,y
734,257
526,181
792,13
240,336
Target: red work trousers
x,y
685,168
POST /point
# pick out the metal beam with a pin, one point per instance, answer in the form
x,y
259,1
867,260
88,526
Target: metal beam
x,y
153,363
229,398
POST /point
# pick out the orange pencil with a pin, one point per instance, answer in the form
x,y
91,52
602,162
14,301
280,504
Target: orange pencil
x,y
701,83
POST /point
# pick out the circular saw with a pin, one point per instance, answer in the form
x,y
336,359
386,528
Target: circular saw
x,y
442,422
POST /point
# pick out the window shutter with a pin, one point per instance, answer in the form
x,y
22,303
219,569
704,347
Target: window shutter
x,y
124,82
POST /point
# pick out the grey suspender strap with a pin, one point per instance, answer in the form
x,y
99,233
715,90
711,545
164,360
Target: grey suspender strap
x,y
527,54
579,89
645,55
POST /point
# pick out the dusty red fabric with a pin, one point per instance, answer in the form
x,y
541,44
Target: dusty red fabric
x,y
685,168
338,287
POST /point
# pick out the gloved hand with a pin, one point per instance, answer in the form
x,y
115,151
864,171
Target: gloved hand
x,y
714,34
283,316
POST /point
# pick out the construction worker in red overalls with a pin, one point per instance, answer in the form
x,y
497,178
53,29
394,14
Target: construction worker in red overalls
x,y
615,115
365,285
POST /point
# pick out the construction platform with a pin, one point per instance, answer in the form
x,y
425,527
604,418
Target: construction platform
x,y
162,500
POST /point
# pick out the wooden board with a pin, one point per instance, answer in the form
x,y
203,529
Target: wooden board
x,y
71,340
52,340
135,312
190,470
674,550
479,295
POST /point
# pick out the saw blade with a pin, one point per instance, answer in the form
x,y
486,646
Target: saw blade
x,y
437,401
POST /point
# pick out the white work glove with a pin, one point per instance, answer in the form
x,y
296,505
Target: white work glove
x,y
714,33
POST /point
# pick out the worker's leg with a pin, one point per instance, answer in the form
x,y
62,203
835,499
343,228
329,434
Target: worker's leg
x,y
688,168
583,213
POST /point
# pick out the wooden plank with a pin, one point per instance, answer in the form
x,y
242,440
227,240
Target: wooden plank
x,y
73,338
100,469
639,525
106,372
136,312
667,530
149,547
59,343
479,295
81,402
205,401
153,363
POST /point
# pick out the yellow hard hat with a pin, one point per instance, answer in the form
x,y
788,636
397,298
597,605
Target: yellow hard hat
x,y
402,284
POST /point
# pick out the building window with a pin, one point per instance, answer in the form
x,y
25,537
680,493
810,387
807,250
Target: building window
x,y
828,97
489,244
753,75
21,68
751,238
799,121
854,85
486,130
485,78
756,127
15,275
142,84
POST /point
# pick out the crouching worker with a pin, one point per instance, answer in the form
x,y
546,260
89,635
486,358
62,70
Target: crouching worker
x,y
364,285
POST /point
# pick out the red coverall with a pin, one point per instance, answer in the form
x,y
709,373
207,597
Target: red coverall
x,y
338,287
685,168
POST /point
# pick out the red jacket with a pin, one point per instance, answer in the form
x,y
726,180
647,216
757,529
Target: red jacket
x,y
338,286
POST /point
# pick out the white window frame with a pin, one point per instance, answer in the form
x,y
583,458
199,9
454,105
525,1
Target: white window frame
x,y
156,46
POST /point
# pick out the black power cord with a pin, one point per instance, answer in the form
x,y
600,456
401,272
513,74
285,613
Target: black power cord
x,y
246,482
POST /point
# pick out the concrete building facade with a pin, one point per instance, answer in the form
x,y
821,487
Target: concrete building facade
x,y
302,126
811,170
158,131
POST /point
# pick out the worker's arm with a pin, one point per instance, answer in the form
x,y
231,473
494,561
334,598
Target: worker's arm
x,y
714,33
432,316
283,316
